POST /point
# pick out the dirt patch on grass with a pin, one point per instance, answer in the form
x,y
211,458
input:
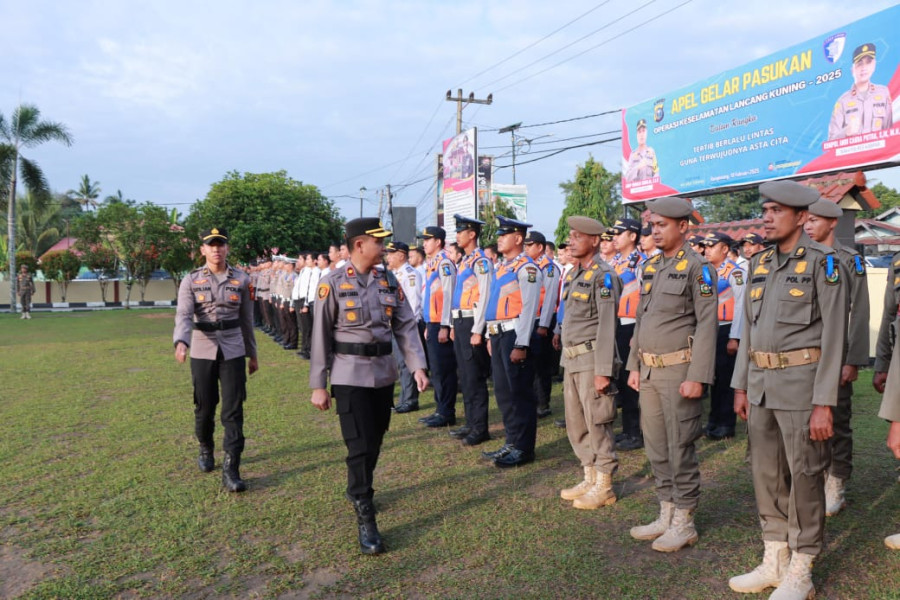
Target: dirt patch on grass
x,y
18,574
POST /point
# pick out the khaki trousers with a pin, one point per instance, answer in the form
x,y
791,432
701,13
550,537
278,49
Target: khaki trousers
x,y
589,422
671,425
788,477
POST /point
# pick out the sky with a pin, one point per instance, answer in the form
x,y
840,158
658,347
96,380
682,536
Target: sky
x,y
163,98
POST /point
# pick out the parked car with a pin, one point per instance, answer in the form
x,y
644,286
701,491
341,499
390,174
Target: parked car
x,y
878,262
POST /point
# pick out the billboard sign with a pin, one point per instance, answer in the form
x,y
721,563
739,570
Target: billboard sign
x,y
515,196
459,179
827,104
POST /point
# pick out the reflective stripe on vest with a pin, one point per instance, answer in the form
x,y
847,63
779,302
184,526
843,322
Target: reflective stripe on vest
x,y
726,294
433,302
466,293
542,264
631,287
505,301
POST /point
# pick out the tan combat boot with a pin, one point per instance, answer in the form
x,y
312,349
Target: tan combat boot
x,y
774,567
893,541
797,583
681,532
600,494
657,527
28,315
24,315
581,488
834,495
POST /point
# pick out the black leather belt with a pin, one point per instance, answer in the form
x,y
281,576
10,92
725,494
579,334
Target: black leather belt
x,y
211,326
373,349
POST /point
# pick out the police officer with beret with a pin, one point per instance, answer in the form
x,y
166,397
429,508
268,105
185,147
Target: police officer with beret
x,y
820,227
672,358
359,309
588,343
786,384
864,107
440,280
214,318
511,311
473,285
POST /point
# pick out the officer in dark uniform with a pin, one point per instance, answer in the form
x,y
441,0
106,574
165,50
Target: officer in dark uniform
x,y
359,307
511,312
473,283
214,318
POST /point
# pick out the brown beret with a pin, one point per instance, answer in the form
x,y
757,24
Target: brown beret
x,y
672,207
825,208
788,193
586,225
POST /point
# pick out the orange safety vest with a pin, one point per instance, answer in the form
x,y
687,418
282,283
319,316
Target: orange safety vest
x,y
542,263
726,293
434,292
631,287
505,300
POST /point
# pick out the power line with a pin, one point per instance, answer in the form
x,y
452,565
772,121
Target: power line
x,y
553,141
599,114
603,43
560,151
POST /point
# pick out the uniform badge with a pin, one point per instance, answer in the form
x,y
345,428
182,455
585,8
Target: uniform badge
x,y
859,265
350,303
832,273
201,297
738,278
389,310
351,271
532,276
604,292
588,275
796,293
896,280
235,282
801,267
756,293
550,270
760,270
234,297
324,289
346,286
351,316
649,269
200,281
705,288
647,287
682,265
445,271
481,267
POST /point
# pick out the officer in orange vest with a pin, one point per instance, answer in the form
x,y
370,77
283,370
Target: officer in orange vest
x,y
473,281
626,236
730,312
511,310
440,279
535,247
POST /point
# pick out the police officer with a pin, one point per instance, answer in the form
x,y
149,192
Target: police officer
x,y
864,107
786,382
214,318
642,163
511,311
535,244
358,309
672,358
589,357
473,284
411,284
888,329
25,288
890,410
751,244
820,227
730,294
440,279
627,263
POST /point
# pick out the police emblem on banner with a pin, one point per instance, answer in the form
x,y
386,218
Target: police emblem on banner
x,y
659,111
833,46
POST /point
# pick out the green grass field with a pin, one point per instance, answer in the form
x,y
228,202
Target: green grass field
x,y
101,496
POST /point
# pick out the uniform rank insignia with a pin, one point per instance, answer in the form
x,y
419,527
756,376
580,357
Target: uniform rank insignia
x,y
649,269
346,286
324,289
738,278
795,292
682,265
351,271
647,287
859,265
832,273
234,298
351,316
801,267
235,282
201,297
200,281
445,271
350,303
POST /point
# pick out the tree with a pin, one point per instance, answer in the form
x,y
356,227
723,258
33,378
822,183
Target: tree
x,y
87,193
887,196
38,223
733,206
102,261
61,266
262,211
177,256
489,213
25,129
594,193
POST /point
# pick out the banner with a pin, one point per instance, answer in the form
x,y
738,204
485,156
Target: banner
x,y
485,175
459,179
515,196
825,105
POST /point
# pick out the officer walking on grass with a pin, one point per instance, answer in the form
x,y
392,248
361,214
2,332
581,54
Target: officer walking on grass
x,y
25,289
214,318
359,310
786,382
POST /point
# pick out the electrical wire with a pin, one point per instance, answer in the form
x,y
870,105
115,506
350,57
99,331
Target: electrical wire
x,y
559,151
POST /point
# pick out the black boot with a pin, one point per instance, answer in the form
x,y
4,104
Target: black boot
x,y
370,541
231,477
205,460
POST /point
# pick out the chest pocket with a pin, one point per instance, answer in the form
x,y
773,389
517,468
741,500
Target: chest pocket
x,y
351,313
202,295
670,296
795,305
388,306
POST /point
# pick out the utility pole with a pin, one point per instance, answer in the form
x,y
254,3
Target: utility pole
x,y
462,102
512,132
390,206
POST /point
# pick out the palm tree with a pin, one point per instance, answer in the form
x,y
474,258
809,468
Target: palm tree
x,y
87,193
25,129
38,224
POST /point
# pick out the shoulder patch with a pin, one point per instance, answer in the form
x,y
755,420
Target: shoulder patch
x,y
481,267
446,271
738,277
832,272
859,265
324,290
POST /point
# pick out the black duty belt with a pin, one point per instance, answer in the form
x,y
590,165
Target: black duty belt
x,y
211,326
373,349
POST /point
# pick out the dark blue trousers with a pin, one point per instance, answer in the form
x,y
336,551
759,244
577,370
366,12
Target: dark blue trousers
x,y
514,389
442,360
